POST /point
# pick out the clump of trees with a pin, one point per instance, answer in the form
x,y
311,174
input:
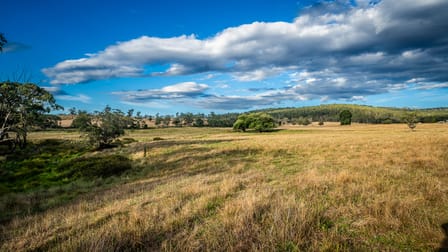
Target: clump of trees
x,y
103,127
22,107
345,117
260,122
302,121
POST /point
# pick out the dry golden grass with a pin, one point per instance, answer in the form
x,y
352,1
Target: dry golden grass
x,y
361,187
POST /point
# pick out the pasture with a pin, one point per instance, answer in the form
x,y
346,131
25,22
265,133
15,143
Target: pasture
x,y
313,188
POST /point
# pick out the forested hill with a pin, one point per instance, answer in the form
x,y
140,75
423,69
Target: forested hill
x,y
361,113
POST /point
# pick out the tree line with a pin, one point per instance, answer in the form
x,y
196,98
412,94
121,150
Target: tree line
x,y
360,114
140,121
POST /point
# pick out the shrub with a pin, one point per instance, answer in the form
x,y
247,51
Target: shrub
x,y
256,121
345,117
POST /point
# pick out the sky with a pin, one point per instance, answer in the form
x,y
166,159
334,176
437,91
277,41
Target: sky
x,y
168,56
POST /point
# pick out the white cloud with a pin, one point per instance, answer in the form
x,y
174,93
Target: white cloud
x,y
339,51
80,97
185,87
177,91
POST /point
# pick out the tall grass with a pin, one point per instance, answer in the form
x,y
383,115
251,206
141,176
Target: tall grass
x,y
313,188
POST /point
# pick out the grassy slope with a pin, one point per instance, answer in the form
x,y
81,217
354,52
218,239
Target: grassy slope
x,y
362,187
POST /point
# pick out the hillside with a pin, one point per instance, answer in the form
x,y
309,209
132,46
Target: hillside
x,y
361,113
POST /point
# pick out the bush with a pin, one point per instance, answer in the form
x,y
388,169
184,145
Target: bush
x,y
98,166
345,117
256,121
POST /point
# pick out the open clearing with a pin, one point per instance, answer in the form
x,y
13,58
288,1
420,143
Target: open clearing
x,y
359,187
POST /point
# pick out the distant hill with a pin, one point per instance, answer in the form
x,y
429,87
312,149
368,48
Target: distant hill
x,y
361,113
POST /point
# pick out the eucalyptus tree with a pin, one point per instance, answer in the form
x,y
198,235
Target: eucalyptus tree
x,y
22,106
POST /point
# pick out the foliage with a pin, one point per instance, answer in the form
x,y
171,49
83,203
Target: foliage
x,y
198,122
221,120
105,126
257,121
3,41
345,117
23,106
82,120
302,121
411,120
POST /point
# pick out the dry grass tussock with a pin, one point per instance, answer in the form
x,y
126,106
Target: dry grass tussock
x,y
363,187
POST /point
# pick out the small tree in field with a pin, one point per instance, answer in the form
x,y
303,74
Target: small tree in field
x,y
411,120
345,117
104,127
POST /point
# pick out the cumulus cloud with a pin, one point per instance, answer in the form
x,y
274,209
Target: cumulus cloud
x,y
352,50
178,91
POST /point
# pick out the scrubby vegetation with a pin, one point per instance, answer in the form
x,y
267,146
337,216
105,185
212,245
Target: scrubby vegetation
x,y
314,188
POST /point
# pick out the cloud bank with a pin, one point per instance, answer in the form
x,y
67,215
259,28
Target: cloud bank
x,y
335,50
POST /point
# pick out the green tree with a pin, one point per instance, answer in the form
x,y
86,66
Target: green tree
x,y
345,117
104,127
242,123
23,106
166,120
303,121
411,120
257,121
82,120
198,122
177,122
188,118
3,41
72,112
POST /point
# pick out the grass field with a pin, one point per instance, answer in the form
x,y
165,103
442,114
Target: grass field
x,y
330,188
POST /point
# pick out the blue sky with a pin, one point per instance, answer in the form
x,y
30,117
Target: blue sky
x,y
229,56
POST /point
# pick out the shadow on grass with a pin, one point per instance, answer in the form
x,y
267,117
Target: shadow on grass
x,y
170,143
50,173
202,160
260,132
444,243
